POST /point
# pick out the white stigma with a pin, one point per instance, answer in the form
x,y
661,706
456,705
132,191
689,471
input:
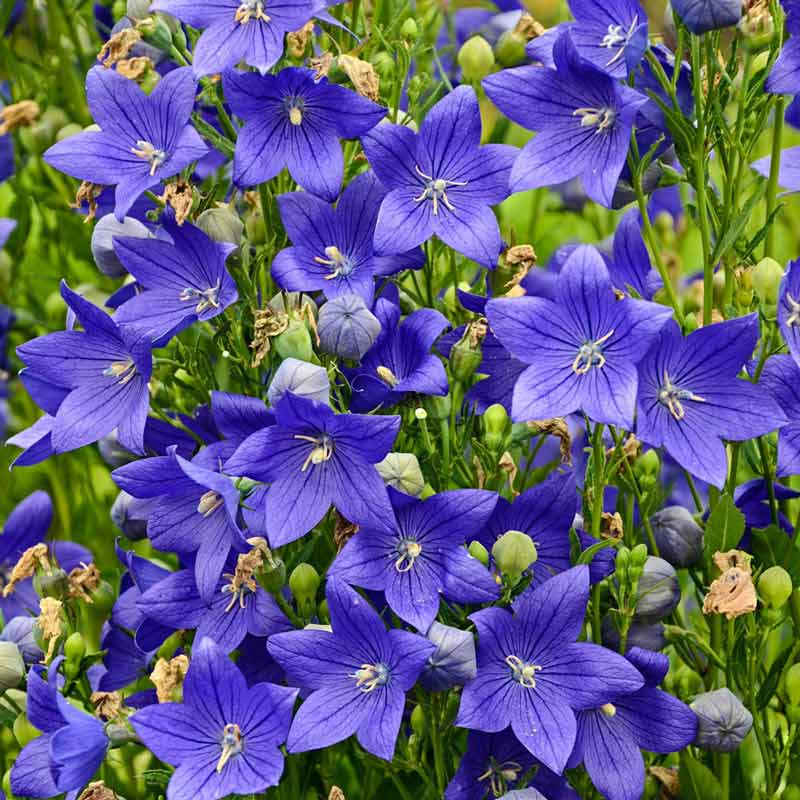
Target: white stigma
x,y
207,298
672,396
591,355
232,744
602,119
123,371
522,672
149,153
436,190
321,452
250,9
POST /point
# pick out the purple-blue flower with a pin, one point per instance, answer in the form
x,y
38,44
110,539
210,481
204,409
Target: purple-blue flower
x,y
441,181
143,139
583,116
789,309
239,30
690,398
781,376
581,348
357,675
610,737
92,381
422,554
224,738
313,458
701,16
294,120
400,361
534,675
182,281
332,249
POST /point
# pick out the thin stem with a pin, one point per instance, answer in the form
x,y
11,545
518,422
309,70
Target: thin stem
x,y
768,479
774,174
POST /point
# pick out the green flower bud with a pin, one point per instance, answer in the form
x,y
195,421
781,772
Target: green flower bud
x,y
24,732
767,275
451,709
638,557
273,575
514,552
791,683
401,471
156,31
419,721
12,667
775,587
295,342
409,29
254,225
221,224
304,582
622,562
52,584
478,551
476,59
465,357
68,130
648,463
413,748
690,323
74,648
323,613
496,427
510,49
103,597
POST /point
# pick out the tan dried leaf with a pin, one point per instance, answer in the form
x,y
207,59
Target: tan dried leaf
x,y
118,47
180,196
87,193
611,525
167,677
97,790
16,115
49,623
83,580
362,75
107,705
321,65
27,564
529,27
343,531
134,68
556,427
297,41
733,593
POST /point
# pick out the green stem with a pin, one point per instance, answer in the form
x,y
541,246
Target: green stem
x,y
598,452
768,479
774,173
725,775
438,753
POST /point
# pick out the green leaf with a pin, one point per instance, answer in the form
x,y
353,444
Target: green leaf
x,y
724,528
767,689
696,779
772,547
738,224
589,553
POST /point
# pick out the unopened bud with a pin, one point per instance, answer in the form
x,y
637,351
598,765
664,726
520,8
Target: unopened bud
x,y
496,426
678,536
722,721
12,666
767,275
74,648
510,49
658,591
295,342
401,471
475,58
479,552
156,31
775,586
409,29
221,224
453,663
465,357
419,722
514,552
304,582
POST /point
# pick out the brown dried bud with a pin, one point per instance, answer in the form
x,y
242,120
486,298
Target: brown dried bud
x,y
668,778
480,473
107,705
83,580
241,581
134,68
343,531
297,41
321,65
18,114
49,623
362,75
97,790
336,794
529,28
611,525
33,558
733,593
521,255
179,195
118,46
268,324
631,448
167,677
509,466
556,427
87,193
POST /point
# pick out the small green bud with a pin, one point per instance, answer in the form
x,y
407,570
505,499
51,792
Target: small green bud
x,y
323,613
478,551
690,323
648,463
419,721
638,556
476,59
409,29
791,683
295,342
775,587
514,552
451,709
497,427
510,49
221,224
24,732
51,584
273,575
12,667
304,582
413,748
103,597
254,225
75,648
622,561
465,357
767,275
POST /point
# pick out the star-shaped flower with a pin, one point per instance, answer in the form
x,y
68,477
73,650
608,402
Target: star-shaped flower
x,y
581,348
441,181
143,139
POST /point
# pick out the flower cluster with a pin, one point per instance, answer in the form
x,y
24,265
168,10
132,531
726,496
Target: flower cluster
x,y
401,512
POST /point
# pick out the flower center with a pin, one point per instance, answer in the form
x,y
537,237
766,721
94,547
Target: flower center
x,y
609,709
618,37
501,775
293,106
123,371
794,311
370,676
387,376
341,264
207,298
523,672
672,396
322,450
250,9
149,153
436,190
209,503
602,119
232,744
591,355
408,551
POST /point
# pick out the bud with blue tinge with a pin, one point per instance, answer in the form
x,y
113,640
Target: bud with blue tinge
x,y
647,635
128,514
221,224
722,721
453,662
107,229
347,328
678,536
658,591
401,471
301,378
